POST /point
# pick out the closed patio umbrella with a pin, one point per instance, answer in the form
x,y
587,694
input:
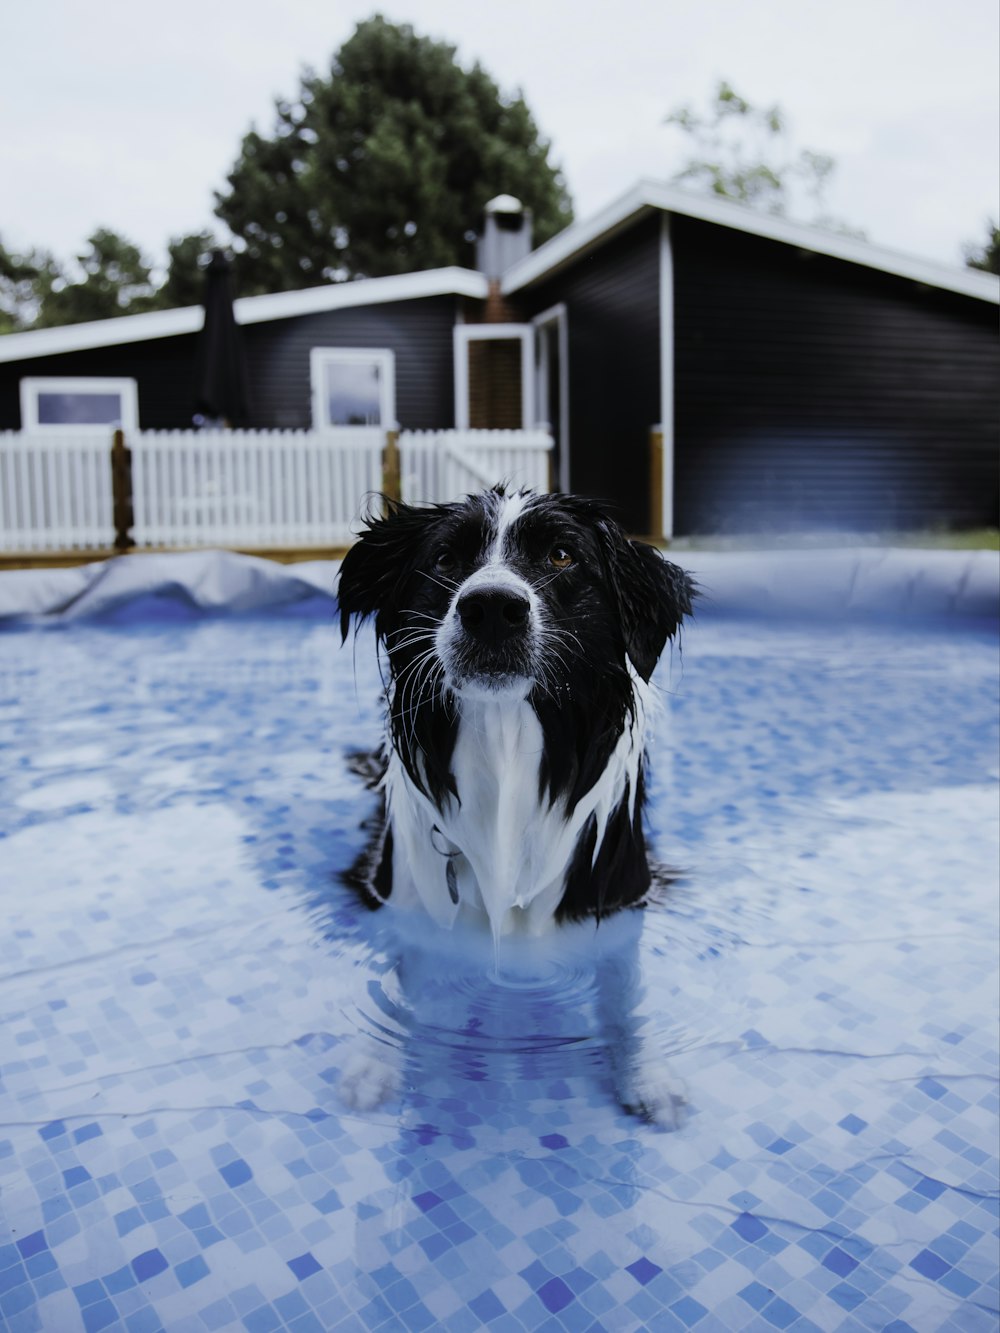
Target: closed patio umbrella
x,y
221,372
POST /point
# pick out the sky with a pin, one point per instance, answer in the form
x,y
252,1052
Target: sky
x,y
128,114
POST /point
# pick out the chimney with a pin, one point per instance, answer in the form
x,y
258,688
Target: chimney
x,y
506,235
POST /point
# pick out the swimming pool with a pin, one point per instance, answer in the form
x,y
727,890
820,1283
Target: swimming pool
x,y
181,974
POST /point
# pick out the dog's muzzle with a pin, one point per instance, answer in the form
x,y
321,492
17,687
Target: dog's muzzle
x,y
488,637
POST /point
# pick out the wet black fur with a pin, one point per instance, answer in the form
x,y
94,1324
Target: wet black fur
x,y
619,598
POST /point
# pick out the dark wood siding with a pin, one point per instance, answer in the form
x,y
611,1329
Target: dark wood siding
x,y
612,305
419,332
815,393
163,369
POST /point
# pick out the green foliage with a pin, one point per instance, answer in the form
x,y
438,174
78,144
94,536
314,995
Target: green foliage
x,y
187,259
741,152
383,166
112,278
116,281
25,280
986,256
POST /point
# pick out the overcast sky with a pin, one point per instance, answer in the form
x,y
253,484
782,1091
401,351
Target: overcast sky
x,y
128,113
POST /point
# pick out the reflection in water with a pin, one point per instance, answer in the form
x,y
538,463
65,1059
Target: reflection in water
x,y
570,1006
470,1060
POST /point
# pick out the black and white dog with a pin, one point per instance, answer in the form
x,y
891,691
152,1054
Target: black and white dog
x,y
520,632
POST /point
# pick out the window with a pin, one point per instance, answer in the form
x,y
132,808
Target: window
x,y
90,403
353,387
494,374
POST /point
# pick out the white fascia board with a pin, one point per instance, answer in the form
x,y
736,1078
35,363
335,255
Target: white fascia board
x,y
248,310
101,333
574,241
363,291
578,238
965,281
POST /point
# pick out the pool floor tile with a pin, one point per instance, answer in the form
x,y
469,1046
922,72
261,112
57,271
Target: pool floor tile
x,y
185,979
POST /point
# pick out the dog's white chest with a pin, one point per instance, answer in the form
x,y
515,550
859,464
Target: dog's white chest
x,y
501,850
497,848
500,825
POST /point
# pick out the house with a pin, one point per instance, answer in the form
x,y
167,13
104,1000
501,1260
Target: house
x,y
704,367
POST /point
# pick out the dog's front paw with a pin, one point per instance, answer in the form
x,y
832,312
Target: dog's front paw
x,y
368,1080
655,1095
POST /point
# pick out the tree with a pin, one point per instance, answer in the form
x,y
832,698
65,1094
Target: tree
x,y
383,166
742,153
117,280
187,259
114,279
986,256
25,280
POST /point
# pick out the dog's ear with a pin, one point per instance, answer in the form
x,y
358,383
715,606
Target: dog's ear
x,y
653,596
375,567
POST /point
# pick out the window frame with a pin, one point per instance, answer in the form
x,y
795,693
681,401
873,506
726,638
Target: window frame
x,y
33,386
384,357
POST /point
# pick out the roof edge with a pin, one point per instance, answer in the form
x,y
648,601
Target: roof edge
x,y
452,281
650,195
100,333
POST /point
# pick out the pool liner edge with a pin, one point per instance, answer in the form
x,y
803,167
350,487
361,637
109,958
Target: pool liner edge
x,y
844,584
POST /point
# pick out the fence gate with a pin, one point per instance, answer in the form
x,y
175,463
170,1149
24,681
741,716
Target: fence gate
x,y
447,464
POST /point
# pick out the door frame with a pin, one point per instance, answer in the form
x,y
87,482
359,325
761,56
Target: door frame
x,y
555,315
463,335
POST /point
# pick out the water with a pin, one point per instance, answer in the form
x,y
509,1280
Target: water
x,y
183,982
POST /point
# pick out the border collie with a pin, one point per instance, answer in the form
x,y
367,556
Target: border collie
x,y
518,633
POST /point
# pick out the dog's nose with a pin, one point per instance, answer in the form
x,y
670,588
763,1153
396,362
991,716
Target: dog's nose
x,y
493,615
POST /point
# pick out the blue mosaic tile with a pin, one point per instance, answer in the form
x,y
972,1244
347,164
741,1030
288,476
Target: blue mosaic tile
x,y
643,1270
148,1264
304,1265
178,1110
100,1315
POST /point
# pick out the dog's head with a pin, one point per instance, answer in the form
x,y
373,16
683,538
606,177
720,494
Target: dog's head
x,y
506,593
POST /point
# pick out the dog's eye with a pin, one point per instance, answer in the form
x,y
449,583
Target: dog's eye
x,y
560,557
444,561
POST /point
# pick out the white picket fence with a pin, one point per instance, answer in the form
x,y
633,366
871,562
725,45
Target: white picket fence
x,y
268,488
55,491
251,489
445,464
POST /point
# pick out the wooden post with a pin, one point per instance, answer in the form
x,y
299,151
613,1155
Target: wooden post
x,y
391,480
121,492
656,483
